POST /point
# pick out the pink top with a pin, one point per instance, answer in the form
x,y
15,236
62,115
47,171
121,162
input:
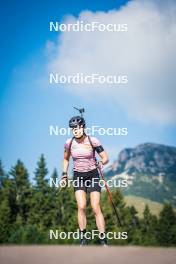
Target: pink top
x,y
82,154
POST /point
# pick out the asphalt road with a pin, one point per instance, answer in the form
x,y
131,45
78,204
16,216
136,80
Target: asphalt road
x,y
85,255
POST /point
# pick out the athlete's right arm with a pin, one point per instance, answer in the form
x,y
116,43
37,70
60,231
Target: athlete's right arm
x,y
66,160
66,156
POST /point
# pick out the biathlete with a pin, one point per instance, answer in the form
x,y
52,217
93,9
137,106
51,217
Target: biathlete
x,y
82,149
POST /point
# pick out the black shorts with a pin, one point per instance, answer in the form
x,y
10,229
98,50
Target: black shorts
x,y
87,181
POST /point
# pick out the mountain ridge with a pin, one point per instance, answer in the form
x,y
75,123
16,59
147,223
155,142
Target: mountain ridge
x,y
150,169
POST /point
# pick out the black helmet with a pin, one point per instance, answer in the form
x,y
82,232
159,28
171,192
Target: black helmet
x,y
77,121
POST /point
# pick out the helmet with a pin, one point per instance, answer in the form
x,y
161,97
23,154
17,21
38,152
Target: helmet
x,y
77,121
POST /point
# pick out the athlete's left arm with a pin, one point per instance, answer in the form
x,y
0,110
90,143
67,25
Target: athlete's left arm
x,y
104,157
100,151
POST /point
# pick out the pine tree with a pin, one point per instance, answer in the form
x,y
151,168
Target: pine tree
x,y
167,226
5,223
40,206
40,175
2,175
22,189
148,228
6,206
5,215
132,225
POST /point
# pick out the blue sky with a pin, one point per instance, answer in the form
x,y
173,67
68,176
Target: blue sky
x,y
28,107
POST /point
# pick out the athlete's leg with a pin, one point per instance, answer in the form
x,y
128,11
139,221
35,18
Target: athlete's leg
x,y
81,204
95,203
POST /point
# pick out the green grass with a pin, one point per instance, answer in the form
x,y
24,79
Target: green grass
x,y
139,203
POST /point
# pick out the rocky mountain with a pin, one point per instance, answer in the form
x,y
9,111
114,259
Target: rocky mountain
x,y
150,169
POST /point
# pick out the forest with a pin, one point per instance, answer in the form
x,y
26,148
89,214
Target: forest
x,y
30,208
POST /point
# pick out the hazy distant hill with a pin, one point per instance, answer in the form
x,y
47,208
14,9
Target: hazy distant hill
x,y
150,169
139,203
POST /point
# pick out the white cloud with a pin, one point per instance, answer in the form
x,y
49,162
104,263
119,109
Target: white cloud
x,y
146,53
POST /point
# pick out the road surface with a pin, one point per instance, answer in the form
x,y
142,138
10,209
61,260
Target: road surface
x,y
86,255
